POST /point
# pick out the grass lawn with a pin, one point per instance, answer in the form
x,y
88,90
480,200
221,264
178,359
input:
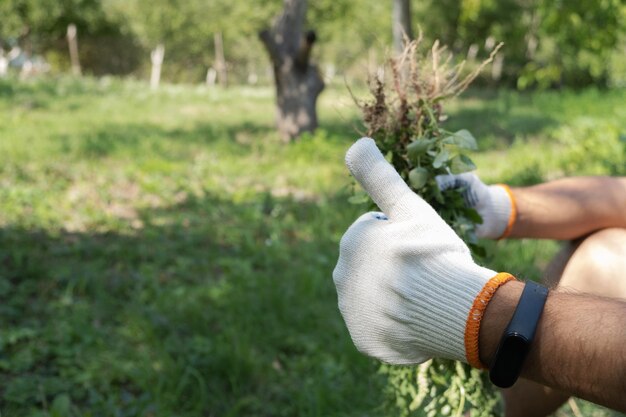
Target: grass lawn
x,y
163,254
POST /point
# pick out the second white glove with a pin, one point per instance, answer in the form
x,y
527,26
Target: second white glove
x,y
494,203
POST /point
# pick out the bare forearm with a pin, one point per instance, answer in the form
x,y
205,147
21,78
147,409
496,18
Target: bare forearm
x,y
569,208
579,347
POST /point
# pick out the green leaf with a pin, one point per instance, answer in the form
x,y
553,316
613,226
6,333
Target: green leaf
x,y
418,177
419,147
471,238
473,215
463,139
478,250
461,164
438,196
441,158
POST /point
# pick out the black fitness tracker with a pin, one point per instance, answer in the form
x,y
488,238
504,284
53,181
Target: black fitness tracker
x,y
515,343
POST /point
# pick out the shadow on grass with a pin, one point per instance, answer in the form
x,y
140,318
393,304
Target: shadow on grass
x,y
44,92
211,308
152,139
136,138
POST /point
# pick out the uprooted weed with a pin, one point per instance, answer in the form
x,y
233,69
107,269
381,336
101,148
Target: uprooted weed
x,y
405,117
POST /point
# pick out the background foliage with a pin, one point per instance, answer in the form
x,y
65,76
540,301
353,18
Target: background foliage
x,y
548,43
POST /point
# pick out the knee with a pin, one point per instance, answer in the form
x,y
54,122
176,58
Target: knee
x,y
603,251
597,265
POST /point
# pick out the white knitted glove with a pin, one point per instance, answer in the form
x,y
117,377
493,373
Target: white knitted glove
x,y
407,285
494,203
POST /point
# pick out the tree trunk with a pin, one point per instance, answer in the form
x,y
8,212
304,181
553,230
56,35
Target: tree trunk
x,y
401,24
298,82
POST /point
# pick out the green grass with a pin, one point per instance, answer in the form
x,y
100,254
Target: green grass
x,y
164,254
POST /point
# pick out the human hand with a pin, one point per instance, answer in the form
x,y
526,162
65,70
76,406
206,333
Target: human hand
x,y
408,287
494,203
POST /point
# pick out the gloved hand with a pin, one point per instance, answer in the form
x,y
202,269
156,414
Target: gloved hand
x,y
494,203
407,285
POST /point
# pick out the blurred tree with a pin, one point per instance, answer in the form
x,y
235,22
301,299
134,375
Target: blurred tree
x,y
547,43
187,29
352,34
575,42
401,23
43,21
40,26
298,81
166,24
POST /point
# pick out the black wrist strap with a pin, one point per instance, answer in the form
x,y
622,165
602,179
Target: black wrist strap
x,y
518,336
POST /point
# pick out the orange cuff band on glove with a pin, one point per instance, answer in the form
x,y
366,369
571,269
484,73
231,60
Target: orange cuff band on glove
x,y
472,326
513,214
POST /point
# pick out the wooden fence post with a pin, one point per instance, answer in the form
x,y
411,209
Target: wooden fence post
x,y
211,76
156,56
220,61
4,64
72,40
